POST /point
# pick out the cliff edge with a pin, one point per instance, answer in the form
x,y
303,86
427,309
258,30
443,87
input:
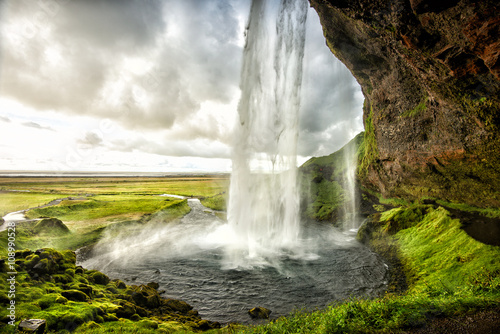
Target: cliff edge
x,y
430,75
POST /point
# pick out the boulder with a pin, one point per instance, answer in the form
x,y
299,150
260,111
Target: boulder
x,y
99,278
75,295
32,326
259,313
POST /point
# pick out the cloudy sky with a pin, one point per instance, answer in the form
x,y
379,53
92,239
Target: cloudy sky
x,y
145,85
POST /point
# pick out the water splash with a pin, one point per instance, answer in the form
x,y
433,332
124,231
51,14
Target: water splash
x,y
263,206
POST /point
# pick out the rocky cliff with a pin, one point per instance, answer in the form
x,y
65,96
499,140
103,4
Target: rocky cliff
x,y
430,74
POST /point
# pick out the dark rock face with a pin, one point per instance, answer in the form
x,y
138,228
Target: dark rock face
x,y
430,74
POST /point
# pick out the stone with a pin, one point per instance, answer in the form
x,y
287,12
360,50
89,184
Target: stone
x,y
126,310
153,285
32,326
177,305
259,313
99,278
75,295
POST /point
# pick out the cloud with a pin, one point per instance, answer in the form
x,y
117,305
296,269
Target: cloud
x,y
165,72
174,148
91,139
37,126
332,101
83,58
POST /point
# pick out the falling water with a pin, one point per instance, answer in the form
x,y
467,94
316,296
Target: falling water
x,y
350,207
264,203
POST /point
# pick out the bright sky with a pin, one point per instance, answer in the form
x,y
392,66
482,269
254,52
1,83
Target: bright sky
x,y
130,85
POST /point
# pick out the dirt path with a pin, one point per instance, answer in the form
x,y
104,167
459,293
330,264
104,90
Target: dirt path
x,y
482,322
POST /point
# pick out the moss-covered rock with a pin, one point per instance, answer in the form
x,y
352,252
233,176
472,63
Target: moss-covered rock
x,y
70,297
75,295
99,278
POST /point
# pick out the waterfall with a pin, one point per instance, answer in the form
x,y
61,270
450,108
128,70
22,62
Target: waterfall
x,y
350,207
263,196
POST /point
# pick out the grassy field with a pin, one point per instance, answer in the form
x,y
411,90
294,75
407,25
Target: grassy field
x,y
195,186
92,204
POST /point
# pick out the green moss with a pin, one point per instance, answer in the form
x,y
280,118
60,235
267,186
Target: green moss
x,y
441,256
368,151
415,111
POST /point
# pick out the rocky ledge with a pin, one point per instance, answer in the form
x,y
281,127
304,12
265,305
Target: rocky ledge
x,y
430,75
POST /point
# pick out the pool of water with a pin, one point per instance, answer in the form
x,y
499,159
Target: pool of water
x,y
190,263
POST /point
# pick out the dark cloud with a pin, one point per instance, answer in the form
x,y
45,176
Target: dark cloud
x,y
330,96
4,119
150,65
75,60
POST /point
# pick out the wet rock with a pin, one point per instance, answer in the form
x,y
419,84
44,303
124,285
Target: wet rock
x,y
126,310
153,285
177,305
259,313
32,326
99,278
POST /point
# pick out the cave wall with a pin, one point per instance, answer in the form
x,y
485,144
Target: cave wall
x,y
430,74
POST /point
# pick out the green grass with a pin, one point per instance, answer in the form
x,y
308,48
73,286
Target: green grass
x,y
440,256
104,206
16,201
199,186
217,202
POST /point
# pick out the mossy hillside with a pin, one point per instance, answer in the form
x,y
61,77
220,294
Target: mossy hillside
x,y
322,182
367,148
50,286
440,257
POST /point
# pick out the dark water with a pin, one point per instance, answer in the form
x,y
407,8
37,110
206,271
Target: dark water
x,y
333,266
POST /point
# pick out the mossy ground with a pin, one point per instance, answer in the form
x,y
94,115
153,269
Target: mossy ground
x,y
50,286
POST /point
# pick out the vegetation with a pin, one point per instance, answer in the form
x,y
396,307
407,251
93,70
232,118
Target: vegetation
x,y
217,202
16,201
322,179
50,286
448,273
367,151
